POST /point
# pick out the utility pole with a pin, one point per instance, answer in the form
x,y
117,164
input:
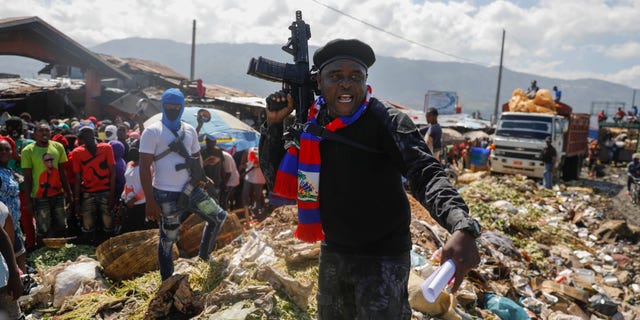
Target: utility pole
x,y
495,111
193,50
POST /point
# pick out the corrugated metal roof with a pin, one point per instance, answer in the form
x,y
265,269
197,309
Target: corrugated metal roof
x,y
141,66
21,86
216,91
249,100
19,36
135,65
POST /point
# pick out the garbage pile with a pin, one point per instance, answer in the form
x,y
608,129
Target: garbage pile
x,y
546,254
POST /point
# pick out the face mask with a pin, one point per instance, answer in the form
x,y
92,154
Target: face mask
x,y
172,114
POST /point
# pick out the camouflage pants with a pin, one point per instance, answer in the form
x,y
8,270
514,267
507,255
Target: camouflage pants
x,y
363,287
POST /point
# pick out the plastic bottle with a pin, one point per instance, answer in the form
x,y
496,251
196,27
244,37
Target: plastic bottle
x,y
564,276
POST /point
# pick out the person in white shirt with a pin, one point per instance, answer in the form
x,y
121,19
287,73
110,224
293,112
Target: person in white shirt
x,y
133,194
172,193
231,178
252,196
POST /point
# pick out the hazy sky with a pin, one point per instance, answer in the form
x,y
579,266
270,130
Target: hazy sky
x,y
567,39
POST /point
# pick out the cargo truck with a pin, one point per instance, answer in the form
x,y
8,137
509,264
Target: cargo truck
x,y
520,138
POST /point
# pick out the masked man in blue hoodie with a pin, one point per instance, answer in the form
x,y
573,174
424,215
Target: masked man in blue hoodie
x,y
171,146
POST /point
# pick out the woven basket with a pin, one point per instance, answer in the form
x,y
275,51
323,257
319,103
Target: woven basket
x,y
130,254
56,243
191,232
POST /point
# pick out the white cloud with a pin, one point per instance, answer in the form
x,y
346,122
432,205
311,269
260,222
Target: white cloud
x,y
539,36
629,76
623,51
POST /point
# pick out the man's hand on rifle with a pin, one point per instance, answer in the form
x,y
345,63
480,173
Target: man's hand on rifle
x,y
279,106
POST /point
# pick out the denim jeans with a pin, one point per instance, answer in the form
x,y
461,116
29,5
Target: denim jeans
x,y
547,176
44,208
94,205
172,215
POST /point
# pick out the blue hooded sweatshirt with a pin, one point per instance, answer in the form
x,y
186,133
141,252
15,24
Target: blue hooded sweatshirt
x,y
172,96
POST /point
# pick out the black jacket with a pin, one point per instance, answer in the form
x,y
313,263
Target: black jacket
x,y
363,205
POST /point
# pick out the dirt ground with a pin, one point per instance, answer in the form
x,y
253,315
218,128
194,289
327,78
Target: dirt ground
x,y
614,184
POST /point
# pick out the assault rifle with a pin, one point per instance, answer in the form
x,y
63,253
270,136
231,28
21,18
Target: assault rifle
x,y
294,77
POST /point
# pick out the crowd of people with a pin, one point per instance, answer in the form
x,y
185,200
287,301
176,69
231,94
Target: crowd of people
x,y
80,169
80,179
620,115
66,169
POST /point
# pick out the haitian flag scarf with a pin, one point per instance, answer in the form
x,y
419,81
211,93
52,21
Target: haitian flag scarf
x,y
298,175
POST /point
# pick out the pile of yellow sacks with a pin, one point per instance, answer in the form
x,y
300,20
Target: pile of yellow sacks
x,y
542,103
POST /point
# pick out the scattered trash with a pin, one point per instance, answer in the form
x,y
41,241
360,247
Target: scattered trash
x,y
545,254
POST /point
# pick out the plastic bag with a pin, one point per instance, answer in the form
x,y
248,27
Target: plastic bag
x,y
505,308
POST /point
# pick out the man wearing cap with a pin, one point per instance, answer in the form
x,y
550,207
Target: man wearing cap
x,y
351,196
171,194
94,184
46,181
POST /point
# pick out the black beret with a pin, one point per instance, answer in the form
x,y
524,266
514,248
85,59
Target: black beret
x,y
352,49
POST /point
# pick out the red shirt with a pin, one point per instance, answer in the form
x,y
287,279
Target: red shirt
x,y
95,170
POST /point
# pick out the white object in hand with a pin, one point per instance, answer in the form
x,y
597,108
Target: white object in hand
x,y
434,284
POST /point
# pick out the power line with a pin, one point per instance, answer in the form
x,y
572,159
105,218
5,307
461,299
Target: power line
x,y
397,35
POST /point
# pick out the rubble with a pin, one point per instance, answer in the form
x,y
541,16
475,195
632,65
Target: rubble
x,y
546,254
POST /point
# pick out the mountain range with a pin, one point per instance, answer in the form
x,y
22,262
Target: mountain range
x,y
401,81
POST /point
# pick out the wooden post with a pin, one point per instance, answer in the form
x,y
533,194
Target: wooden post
x,y
93,90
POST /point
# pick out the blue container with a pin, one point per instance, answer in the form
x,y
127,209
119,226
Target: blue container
x,y
479,157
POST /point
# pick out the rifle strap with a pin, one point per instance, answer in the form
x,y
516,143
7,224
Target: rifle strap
x,y
183,152
319,131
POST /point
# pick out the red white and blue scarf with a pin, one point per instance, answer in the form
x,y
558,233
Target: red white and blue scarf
x,y
298,175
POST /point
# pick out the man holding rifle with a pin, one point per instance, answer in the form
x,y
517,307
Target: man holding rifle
x,y
172,147
359,151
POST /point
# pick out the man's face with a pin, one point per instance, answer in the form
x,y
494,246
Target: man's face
x,y
5,151
343,84
122,133
14,129
430,118
42,134
211,143
48,159
172,111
